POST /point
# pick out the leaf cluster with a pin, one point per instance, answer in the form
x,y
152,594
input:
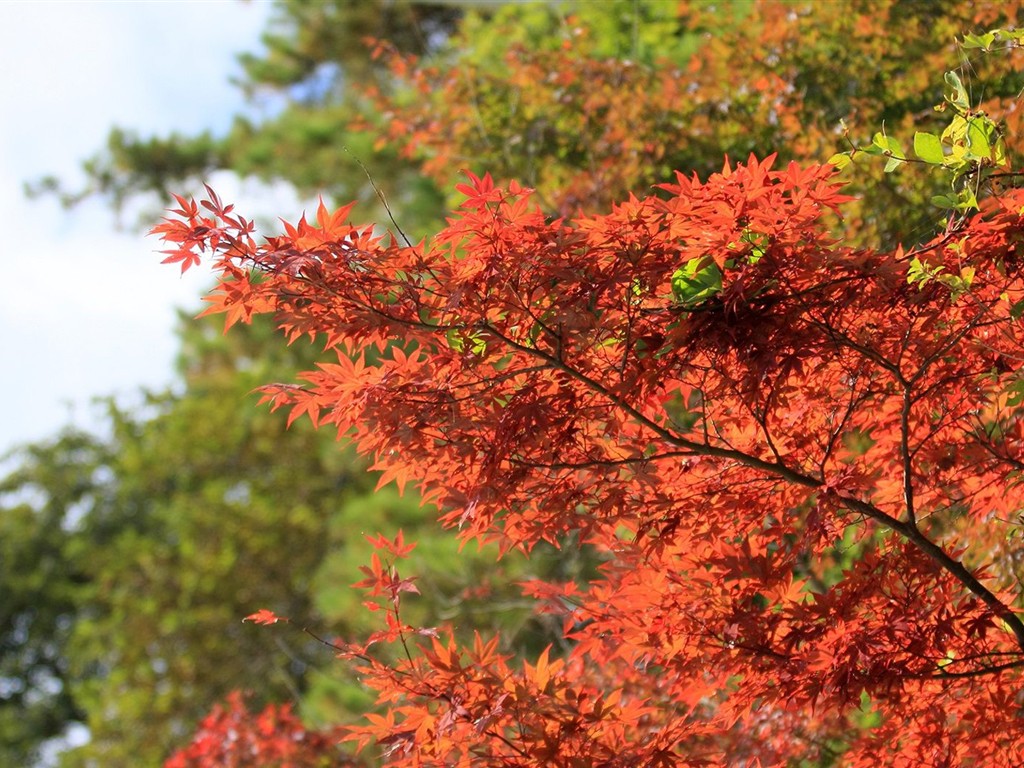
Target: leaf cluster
x,y
793,454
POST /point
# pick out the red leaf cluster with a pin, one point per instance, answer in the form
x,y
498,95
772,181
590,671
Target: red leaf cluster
x,y
803,478
233,737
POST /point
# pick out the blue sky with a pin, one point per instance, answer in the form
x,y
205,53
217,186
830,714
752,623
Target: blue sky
x,y
87,310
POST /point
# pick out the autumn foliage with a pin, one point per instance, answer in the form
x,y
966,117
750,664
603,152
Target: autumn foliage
x,y
798,459
233,737
584,121
800,466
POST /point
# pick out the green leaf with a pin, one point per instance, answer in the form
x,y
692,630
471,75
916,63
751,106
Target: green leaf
x,y
945,201
966,200
888,144
699,280
1016,393
928,147
999,155
457,340
920,272
892,164
957,285
759,243
979,41
978,131
840,160
956,94
891,149
454,339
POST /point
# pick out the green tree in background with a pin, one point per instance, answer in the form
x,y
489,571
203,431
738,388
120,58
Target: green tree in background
x,y
129,561
152,542
586,102
590,102
42,590
213,510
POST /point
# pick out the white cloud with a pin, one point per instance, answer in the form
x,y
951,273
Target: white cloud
x,y
87,310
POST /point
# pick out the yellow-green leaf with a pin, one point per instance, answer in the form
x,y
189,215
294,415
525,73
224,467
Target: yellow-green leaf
x,y
928,147
840,160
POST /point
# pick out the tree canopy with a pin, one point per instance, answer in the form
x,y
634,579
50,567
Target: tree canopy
x,y
584,102
799,457
783,416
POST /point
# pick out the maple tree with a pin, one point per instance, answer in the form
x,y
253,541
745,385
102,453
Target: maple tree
x,y
799,458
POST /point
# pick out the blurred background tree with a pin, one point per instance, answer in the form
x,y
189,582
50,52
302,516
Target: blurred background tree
x,y
156,540
584,101
591,102
42,589
128,559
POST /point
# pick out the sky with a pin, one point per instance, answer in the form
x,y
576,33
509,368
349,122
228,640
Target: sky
x,y
87,309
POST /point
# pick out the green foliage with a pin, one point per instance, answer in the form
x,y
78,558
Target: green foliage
x,y
921,273
697,281
640,31
928,147
700,279
42,585
312,46
968,151
986,40
762,77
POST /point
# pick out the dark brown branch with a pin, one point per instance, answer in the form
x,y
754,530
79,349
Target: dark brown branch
x,y
969,673
905,455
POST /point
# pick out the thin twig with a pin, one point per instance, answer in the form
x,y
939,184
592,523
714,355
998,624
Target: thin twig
x,y
380,195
